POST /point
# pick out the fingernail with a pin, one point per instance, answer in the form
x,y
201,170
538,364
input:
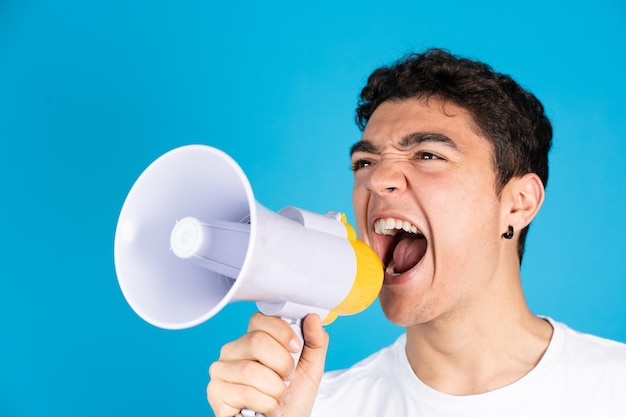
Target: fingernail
x,y
294,345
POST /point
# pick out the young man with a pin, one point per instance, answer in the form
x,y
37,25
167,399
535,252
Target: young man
x,y
449,173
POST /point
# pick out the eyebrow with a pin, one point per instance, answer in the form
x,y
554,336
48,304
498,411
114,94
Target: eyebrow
x,y
406,142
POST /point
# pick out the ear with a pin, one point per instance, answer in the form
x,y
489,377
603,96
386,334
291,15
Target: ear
x,y
521,200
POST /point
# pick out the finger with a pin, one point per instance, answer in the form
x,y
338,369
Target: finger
x,y
315,348
228,399
278,328
249,373
315,335
261,347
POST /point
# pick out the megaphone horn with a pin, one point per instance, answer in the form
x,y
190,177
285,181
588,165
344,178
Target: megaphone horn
x,y
191,238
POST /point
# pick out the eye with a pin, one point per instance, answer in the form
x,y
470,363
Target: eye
x,y
427,156
360,163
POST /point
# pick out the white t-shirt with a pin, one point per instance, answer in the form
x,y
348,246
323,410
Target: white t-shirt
x,y
578,375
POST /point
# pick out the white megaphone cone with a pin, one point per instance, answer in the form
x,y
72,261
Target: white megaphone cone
x,y
191,238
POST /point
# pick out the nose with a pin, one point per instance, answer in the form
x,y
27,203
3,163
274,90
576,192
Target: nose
x,y
386,177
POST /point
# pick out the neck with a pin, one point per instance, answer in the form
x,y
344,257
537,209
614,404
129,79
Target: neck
x,y
479,347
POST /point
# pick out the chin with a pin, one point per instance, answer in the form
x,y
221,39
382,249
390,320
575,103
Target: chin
x,y
405,307
398,310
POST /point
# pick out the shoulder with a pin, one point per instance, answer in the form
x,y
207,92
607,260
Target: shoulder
x,y
590,357
379,363
588,374
368,384
590,348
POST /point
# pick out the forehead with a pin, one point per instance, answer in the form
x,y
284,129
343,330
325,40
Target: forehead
x,y
393,120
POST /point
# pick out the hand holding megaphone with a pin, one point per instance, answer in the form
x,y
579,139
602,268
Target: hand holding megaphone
x,y
191,238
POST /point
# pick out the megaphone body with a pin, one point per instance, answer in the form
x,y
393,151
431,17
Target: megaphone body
x,y
191,238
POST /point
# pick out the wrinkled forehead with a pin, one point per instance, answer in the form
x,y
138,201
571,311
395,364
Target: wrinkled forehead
x,y
435,104
408,122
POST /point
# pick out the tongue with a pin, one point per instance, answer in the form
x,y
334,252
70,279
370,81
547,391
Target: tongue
x,y
408,252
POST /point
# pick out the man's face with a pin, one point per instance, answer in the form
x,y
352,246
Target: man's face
x,y
424,199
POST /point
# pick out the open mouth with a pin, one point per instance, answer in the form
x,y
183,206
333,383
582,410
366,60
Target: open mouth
x,y
400,245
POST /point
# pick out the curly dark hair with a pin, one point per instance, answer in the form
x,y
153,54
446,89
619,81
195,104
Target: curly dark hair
x,y
507,115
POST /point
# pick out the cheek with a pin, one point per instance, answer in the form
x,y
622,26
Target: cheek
x,y
463,219
359,204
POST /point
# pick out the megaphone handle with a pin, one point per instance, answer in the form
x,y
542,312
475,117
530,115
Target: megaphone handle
x,y
296,325
249,413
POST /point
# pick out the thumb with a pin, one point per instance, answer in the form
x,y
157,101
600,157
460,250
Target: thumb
x,y
308,374
315,347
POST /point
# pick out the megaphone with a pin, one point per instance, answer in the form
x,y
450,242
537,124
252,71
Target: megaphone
x,y
191,238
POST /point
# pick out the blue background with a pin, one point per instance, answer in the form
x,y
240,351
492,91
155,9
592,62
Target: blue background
x,y
92,91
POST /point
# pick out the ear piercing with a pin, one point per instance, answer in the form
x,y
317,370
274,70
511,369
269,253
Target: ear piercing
x,y
509,234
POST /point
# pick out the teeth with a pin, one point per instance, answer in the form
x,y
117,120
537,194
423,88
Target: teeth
x,y
390,270
391,226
